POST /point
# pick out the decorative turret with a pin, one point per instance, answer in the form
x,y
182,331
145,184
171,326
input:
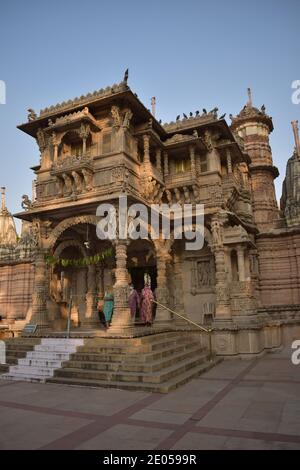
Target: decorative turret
x,y
290,199
254,126
8,234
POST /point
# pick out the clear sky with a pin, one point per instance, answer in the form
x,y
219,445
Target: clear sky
x,y
189,54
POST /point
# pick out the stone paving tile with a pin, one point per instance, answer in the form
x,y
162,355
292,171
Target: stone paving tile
x,y
240,443
227,369
27,430
195,441
86,400
161,416
126,437
189,398
285,446
257,403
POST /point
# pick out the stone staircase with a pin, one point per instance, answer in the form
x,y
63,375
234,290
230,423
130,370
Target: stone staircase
x,y
153,363
41,359
17,348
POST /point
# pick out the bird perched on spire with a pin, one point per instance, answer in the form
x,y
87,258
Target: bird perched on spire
x,y
204,111
185,116
191,114
126,76
197,113
178,117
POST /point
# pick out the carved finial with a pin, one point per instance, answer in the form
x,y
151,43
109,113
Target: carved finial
x,y
153,105
249,97
296,136
3,198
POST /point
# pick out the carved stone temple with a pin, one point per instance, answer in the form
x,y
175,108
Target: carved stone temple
x,y
245,281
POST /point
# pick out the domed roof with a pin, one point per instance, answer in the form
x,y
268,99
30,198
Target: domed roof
x,y
8,233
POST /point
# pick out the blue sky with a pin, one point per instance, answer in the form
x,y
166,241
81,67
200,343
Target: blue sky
x,y
190,55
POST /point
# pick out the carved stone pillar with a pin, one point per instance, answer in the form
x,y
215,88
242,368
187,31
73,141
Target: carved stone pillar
x,y
178,287
192,157
121,317
158,159
101,282
241,263
229,162
146,149
222,294
55,147
166,164
40,291
228,262
223,312
91,315
163,317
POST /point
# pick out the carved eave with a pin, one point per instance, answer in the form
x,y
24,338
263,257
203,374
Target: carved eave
x,y
124,98
183,141
272,169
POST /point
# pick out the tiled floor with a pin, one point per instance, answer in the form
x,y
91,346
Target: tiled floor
x,y
238,404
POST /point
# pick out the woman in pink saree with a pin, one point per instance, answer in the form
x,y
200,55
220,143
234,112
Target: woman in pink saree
x,y
146,303
134,302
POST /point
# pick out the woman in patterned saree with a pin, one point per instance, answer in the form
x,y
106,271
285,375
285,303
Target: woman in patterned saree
x,y
146,302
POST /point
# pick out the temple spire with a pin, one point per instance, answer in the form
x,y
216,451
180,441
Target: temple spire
x,y
249,97
296,136
2,198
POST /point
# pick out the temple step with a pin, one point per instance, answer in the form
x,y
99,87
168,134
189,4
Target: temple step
x,y
41,362
165,387
17,348
156,363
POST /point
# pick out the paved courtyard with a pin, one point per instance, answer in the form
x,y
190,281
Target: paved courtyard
x,y
238,404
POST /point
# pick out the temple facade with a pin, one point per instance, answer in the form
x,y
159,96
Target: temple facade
x,y
244,282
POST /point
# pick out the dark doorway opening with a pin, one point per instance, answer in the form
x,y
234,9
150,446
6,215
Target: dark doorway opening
x,y
137,276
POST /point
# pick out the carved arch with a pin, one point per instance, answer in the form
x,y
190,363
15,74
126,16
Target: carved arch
x,y
67,223
66,244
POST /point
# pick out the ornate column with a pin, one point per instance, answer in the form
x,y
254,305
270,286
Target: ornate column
x,y
163,317
84,132
229,162
55,146
158,159
223,312
91,315
146,139
40,291
241,263
192,157
166,164
121,317
178,285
